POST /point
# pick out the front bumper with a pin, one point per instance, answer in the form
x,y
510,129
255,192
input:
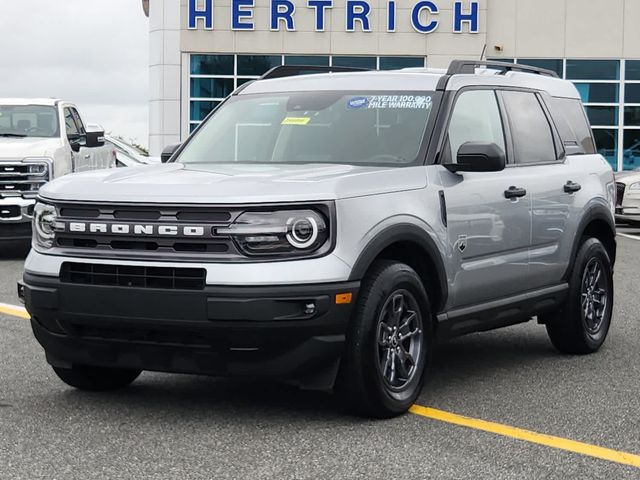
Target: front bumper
x,y
15,218
629,210
221,331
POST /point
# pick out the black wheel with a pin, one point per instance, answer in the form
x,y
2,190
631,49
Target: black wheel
x,y
581,326
86,377
388,342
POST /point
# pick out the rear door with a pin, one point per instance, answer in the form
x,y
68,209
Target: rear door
x,y
539,153
489,227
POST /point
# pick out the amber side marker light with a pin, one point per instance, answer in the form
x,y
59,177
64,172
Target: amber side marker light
x,y
343,298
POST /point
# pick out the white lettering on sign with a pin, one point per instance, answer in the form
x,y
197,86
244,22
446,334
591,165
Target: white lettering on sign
x,y
400,101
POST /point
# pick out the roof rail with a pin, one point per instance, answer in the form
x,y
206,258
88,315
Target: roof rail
x,y
469,66
294,70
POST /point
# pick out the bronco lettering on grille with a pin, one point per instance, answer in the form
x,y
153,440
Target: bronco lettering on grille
x,y
135,229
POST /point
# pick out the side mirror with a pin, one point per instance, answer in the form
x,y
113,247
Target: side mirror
x,y
95,136
77,140
478,157
168,152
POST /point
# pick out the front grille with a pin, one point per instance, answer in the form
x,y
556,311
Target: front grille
x,y
133,276
11,211
23,179
620,188
122,231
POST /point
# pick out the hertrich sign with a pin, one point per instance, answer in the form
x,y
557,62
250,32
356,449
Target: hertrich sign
x,y
357,15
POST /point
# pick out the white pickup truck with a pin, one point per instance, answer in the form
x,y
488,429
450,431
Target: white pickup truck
x,y
41,139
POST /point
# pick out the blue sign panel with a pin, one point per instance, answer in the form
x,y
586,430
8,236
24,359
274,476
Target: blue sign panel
x,y
357,15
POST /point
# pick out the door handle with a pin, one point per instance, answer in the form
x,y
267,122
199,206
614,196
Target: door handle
x,y
87,156
514,192
572,187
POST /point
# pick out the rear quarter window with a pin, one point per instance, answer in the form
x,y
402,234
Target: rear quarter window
x,y
572,124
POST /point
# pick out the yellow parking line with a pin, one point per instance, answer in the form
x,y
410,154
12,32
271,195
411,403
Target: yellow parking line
x,y
529,436
14,311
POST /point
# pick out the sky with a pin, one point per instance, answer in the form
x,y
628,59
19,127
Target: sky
x,y
94,53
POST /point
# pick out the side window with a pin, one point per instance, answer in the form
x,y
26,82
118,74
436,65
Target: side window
x,y
69,122
475,118
76,117
530,130
572,123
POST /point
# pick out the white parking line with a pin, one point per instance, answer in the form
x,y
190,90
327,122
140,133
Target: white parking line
x,y
626,235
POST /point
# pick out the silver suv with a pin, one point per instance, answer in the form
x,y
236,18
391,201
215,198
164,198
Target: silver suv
x,y
326,229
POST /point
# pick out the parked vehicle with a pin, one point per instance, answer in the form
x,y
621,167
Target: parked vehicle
x,y
326,229
40,139
128,155
628,197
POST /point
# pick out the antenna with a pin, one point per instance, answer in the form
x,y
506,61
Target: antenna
x,y
484,50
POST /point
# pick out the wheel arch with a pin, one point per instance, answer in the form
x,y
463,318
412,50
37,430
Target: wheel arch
x,y
597,223
412,245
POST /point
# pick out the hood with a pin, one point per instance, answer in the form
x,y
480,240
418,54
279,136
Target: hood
x,y
628,177
19,148
233,183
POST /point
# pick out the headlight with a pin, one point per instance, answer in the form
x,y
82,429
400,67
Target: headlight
x,y
634,186
44,224
294,232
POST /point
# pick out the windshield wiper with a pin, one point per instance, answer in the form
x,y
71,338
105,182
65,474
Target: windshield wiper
x,y
12,135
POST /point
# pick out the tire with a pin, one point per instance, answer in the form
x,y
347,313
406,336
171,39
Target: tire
x,y
582,328
383,368
89,378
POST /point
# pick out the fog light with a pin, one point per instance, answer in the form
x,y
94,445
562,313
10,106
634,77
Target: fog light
x,y
310,308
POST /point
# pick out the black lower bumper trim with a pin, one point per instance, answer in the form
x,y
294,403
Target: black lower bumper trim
x,y
293,333
15,231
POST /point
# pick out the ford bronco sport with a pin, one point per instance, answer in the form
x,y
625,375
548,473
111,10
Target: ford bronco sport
x,y
326,229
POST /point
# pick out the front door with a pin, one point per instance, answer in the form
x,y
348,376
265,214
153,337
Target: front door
x,y
488,214
80,155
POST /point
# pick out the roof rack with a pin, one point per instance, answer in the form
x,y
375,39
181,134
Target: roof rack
x,y
294,70
469,66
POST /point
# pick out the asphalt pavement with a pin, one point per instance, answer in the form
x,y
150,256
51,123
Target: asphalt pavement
x,y
173,426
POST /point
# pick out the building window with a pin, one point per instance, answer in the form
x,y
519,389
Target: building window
x,y
555,65
256,65
214,77
212,64
394,63
310,60
211,87
199,109
599,92
607,144
358,62
607,116
593,70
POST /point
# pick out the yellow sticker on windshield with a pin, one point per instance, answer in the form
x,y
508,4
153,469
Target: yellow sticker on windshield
x,y
296,120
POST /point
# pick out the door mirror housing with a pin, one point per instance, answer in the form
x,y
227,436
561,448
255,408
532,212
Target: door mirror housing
x,y
478,157
95,136
77,140
168,152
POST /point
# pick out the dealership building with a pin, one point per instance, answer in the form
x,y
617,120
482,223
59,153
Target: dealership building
x,y
201,50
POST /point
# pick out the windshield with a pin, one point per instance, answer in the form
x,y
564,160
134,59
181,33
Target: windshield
x,y
28,121
314,127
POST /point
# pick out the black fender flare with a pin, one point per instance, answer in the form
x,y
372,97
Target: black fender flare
x,y
405,232
596,211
